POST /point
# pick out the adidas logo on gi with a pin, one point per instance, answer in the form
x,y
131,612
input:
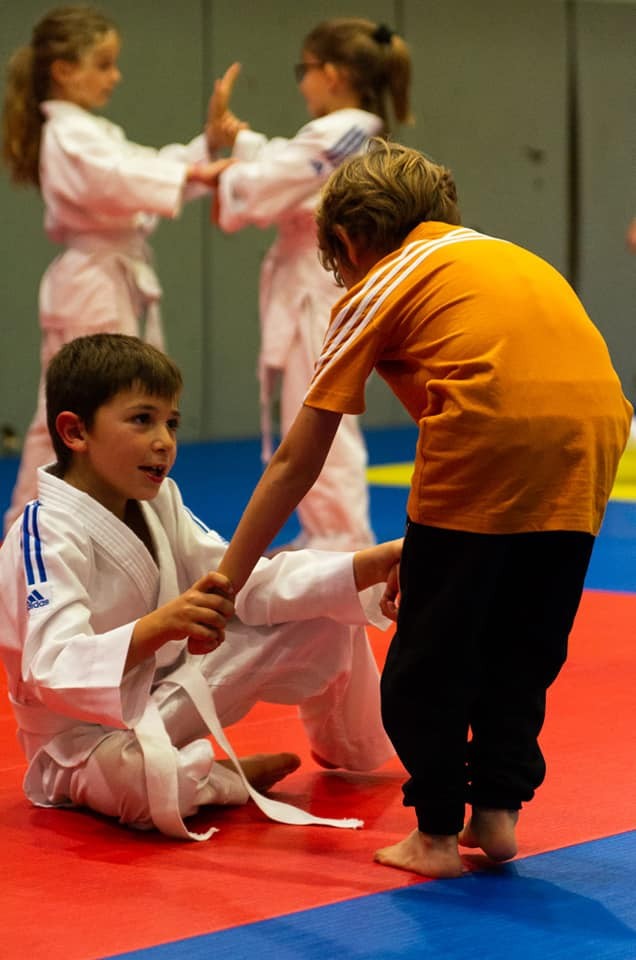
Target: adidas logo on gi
x,y
35,599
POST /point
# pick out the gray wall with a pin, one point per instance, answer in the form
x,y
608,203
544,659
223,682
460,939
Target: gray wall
x,y
493,88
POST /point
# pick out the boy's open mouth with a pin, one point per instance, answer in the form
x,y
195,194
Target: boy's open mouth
x,y
156,473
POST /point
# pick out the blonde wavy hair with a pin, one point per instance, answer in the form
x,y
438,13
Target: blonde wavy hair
x,y
378,197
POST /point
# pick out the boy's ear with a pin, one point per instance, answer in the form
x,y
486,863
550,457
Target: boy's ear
x,y
71,430
351,250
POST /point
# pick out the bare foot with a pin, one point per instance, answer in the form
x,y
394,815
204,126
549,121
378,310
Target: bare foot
x,y
432,856
263,770
493,831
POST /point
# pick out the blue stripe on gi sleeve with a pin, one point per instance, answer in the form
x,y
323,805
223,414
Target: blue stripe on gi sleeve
x,y
26,545
38,545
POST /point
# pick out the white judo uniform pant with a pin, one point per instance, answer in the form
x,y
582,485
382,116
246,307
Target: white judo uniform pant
x,y
326,668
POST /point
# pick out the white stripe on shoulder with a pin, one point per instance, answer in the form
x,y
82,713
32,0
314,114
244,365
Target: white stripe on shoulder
x,y
199,523
356,315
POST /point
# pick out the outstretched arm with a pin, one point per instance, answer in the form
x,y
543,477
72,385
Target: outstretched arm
x,y
208,173
289,475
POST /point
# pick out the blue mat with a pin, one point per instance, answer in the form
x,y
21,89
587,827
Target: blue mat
x,y
574,903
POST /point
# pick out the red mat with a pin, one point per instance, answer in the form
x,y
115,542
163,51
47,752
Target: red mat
x,y
76,886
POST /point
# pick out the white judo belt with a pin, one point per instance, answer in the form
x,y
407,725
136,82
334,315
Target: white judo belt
x,y
161,767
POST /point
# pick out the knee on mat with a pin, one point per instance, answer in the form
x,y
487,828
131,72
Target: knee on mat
x,y
112,782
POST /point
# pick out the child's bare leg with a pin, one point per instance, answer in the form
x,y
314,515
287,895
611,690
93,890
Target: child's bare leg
x,y
493,831
430,855
263,770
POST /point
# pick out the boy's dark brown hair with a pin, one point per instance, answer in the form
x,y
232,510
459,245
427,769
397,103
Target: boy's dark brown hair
x,y
380,196
87,372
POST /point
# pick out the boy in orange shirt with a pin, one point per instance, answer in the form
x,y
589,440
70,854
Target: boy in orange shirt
x,y
522,423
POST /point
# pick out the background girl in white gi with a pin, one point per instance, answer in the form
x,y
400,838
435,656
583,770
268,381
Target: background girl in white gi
x,y
102,195
350,68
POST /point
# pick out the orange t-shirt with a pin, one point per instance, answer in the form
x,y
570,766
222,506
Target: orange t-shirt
x,y
521,415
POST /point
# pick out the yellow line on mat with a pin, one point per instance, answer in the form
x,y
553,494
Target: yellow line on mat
x,y
399,475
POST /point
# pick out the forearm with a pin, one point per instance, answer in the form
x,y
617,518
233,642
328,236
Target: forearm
x,y
144,643
276,496
199,614
290,474
301,585
80,678
373,564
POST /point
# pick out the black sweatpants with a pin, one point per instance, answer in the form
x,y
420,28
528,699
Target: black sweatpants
x,y
482,632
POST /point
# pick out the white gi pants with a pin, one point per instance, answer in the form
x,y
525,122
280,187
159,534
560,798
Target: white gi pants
x,y
324,667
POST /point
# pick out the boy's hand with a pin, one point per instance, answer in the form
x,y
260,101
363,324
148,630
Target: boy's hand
x,y
200,613
390,598
377,565
374,564
217,590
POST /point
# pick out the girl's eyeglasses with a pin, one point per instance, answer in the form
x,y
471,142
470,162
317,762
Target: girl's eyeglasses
x,y
300,69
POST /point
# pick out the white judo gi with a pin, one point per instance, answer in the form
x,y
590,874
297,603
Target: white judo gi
x,y
278,182
73,582
103,196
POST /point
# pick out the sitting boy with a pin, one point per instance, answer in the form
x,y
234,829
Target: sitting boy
x,y
119,644
522,421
